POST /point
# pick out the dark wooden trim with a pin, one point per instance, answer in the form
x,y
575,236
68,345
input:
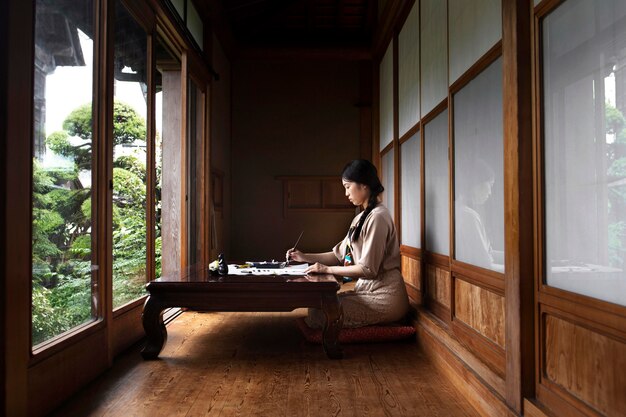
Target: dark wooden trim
x,y
518,201
585,315
432,258
484,278
603,307
441,311
537,186
4,104
125,308
17,187
386,149
483,62
436,111
555,398
411,252
409,134
545,7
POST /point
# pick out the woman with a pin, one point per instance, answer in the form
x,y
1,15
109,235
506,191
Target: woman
x,y
369,252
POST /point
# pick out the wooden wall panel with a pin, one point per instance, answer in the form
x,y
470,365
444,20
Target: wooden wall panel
x,y
411,271
480,309
304,194
438,284
587,364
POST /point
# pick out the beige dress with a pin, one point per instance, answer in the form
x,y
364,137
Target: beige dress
x,y
379,296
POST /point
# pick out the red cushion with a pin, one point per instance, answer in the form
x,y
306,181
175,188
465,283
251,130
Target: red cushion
x,y
366,334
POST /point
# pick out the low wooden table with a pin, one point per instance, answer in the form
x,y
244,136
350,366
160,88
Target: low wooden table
x,y
200,290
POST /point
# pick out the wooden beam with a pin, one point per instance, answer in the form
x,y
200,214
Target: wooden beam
x,y
306,54
518,201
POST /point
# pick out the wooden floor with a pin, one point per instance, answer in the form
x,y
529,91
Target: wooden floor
x,y
258,364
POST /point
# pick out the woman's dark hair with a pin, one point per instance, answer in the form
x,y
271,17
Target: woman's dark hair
x,y
364,172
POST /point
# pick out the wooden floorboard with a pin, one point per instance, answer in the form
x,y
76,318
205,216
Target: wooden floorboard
x,y
258,364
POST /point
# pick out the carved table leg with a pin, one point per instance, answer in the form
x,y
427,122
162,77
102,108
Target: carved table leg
x,y
334,320
156,334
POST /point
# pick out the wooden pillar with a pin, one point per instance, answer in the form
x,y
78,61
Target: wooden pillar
x,y
518,201
172,171
17,153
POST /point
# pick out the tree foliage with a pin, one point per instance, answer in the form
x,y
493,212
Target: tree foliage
x,y
62,234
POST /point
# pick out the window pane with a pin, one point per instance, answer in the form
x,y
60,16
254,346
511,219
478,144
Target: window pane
x,y
386,98
409,72
387,180
62,175
584,74
434,53
478,168
410,183
167,139
129,159
436,183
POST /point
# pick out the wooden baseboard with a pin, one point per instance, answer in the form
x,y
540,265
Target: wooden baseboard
x,y
480,386
532,410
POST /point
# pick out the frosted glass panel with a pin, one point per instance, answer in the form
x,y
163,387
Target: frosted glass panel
x,y
475,26
478,167
410,191
408,72
386,98
436,183
584,57
194,24
434,53
387,180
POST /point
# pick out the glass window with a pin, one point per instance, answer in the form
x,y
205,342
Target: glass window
x,y
434,53
478,171
409,72
129,158
436,183
62,244
584,74
410,191
386,98
387,180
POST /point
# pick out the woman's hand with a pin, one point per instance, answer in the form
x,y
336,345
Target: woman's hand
x,y
317,268
295,255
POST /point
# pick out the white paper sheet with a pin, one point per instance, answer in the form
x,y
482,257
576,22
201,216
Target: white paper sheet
x,y
297,270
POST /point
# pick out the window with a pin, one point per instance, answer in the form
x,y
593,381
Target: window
x,y
584,73
386,98
478,171
129,158
63,243
410,182
436,183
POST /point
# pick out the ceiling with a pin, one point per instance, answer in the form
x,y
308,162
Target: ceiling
x,y
301,23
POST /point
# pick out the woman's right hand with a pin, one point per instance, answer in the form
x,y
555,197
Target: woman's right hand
x,y
295,255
